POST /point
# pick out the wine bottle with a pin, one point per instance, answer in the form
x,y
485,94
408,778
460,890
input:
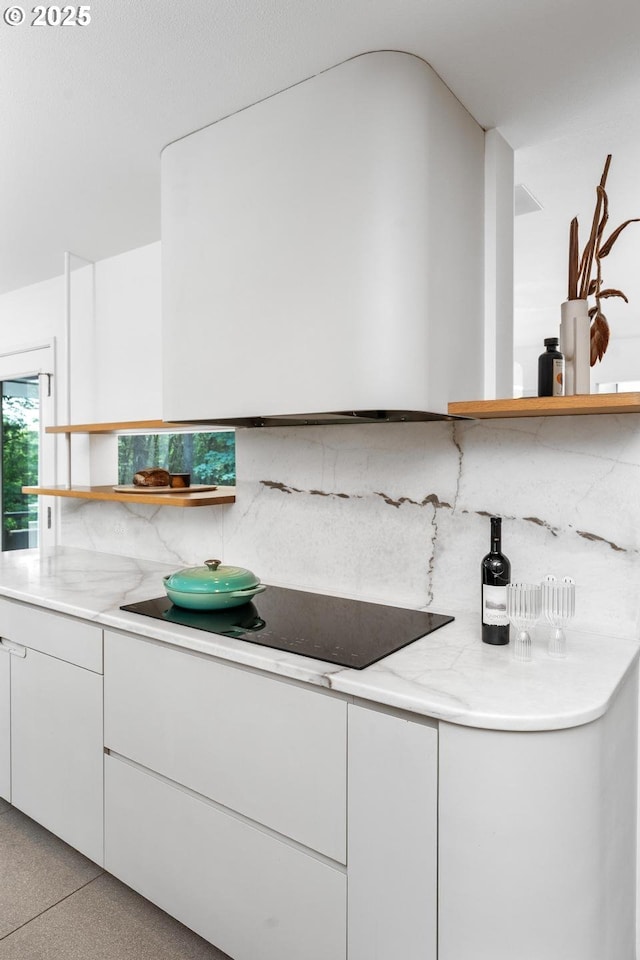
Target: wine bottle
x,y
496,574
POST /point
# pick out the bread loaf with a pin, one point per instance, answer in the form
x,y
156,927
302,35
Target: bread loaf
x,y
153,477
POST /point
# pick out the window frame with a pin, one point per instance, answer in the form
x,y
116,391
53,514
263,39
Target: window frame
x,y
39,360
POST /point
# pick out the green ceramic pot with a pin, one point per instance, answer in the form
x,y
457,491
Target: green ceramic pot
x,y
212,586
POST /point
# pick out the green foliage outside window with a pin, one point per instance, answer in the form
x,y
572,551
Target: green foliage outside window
x,y
19,459
209,457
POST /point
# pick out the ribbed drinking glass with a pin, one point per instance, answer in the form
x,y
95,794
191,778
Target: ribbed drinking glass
x,y
558,607
523,610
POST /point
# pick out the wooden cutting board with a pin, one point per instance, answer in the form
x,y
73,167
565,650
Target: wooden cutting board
x,y
133,488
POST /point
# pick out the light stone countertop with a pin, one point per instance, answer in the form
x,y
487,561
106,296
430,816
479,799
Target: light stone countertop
x,y
449,675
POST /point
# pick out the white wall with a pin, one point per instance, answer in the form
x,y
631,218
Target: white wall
x,y
562,175
116,353
115,348
498,266
31,314
128,384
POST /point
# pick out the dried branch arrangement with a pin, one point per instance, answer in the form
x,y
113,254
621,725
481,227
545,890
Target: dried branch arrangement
x,y
581,282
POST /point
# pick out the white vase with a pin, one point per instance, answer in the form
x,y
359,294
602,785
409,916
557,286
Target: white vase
x,y
575,345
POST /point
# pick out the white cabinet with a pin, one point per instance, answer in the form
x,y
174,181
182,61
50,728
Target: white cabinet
x,y
56,723
226,804
537,840
282,821
5,723
225,799
393,837
250,893
269,749
57,752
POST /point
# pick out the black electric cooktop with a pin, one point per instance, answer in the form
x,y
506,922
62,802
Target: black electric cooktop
x,y
350,633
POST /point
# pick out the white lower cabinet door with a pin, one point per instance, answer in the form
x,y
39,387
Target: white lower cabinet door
x,y
5,724
254,896
393,835
271,750
537,839
57,748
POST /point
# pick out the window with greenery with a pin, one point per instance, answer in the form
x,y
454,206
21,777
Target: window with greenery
x,y
20,439
209,457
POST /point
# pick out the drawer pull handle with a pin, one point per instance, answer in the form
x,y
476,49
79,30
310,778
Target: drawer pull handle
x,y
15,649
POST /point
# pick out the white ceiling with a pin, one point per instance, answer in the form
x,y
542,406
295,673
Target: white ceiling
x,y
85,111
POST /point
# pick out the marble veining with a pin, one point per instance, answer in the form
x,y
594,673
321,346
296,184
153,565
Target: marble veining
x,y
398,513
594,537
447,675
432,499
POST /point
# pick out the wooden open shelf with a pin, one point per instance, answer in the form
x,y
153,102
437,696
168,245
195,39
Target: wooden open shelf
x,y
131,425
190,498
581,404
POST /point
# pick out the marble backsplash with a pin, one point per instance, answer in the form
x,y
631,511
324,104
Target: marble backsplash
x,y
399,512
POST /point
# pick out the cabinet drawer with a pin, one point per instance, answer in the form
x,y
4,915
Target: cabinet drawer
x,y
249,893
271,750
57,750
65,638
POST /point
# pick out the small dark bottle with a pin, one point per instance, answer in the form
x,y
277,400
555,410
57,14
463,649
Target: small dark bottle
x,y
496,574
551,370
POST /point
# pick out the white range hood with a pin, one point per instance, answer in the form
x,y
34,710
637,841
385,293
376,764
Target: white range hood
x,y
322,253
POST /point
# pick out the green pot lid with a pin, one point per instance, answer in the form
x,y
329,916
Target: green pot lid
x,y
213,577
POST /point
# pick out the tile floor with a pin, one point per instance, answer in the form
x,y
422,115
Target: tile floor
x,y
57,905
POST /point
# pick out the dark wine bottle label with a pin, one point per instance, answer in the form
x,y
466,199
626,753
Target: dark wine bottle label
x,y
494,605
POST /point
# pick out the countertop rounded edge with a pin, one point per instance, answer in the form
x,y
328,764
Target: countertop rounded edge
x,y
447,676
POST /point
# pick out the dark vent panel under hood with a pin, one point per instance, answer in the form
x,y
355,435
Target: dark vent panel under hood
x,y
333,418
